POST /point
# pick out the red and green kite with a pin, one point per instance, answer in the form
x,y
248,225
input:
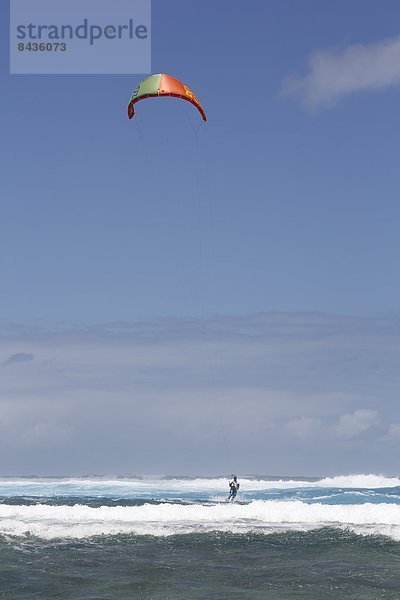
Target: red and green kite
x,y
163,85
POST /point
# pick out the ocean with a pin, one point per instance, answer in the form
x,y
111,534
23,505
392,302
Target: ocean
x,y
177,538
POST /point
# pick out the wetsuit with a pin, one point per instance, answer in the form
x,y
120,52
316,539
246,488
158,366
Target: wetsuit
x,y
234,486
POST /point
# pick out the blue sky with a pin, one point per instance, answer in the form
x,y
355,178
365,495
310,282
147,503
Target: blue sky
x,y
284,203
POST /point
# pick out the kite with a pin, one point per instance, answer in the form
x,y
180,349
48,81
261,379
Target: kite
x,y
163,85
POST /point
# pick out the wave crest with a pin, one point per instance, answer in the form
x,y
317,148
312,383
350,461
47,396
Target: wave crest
x,y
80,521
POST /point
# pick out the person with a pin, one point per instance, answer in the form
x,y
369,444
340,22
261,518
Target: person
x,y
234,486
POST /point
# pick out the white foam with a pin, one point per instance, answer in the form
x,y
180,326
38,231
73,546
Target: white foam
x,y
359,481
133,487
81,521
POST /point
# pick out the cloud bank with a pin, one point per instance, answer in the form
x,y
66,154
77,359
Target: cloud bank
x,y
277,393
333,75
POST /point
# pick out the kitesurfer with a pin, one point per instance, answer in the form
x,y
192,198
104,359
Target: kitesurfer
x,y
234,486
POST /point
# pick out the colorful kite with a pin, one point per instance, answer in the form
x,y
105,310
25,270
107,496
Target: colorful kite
x,y
163,85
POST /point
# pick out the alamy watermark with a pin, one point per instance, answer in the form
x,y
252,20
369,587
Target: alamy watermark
x,y
80,36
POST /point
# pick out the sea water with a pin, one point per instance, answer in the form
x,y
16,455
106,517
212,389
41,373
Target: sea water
x,y
178,538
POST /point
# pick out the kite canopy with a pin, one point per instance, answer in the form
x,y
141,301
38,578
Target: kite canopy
x,y
163,85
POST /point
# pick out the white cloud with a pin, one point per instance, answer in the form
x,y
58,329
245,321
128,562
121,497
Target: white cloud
x,y
333,75
356,423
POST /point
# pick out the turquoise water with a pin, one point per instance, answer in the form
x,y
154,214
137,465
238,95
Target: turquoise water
x,y
175,538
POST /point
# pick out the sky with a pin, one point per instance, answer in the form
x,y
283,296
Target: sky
x,y
188,297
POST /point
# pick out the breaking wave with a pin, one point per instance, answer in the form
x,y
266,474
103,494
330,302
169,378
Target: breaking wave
x,y
81,521
129,487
